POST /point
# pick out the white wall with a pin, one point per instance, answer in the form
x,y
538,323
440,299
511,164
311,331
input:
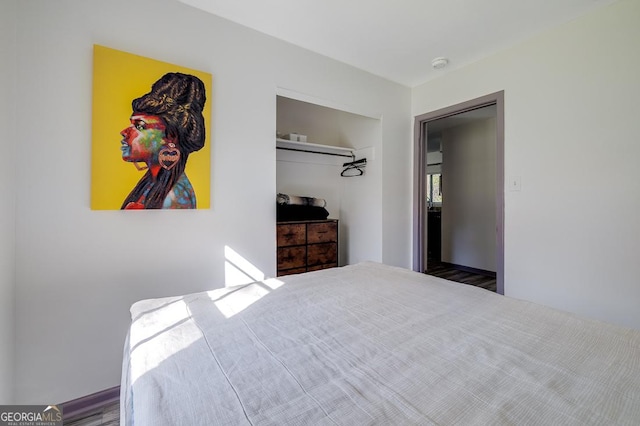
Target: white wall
x,y
77,270
320,123
7,194
361,240
310,175
572,233
469,195
396,176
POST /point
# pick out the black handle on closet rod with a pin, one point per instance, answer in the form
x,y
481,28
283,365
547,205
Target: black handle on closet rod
x,y
356,163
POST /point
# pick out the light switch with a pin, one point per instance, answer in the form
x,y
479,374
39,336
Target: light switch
x,y
515,183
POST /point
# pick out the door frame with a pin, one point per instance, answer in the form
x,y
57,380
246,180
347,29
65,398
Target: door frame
x,y
420,164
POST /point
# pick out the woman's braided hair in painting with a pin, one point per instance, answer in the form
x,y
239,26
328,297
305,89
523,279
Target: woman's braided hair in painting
x,y
178,99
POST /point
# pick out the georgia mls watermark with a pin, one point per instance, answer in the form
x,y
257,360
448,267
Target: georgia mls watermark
x,y
30,415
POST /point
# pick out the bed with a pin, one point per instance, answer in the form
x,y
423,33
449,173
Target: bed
x,y
371,344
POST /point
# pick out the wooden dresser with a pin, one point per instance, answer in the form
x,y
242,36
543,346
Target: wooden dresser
x,y
307,246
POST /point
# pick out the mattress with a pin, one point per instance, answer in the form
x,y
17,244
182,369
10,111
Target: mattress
x,y
371,344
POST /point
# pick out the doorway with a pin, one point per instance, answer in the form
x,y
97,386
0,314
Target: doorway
x,y
458,204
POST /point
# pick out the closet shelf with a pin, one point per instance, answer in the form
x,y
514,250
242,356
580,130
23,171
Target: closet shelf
x,y
314,148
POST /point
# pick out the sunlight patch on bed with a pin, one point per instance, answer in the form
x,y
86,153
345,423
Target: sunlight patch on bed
x,y
158,337
273,283
238,270
239,299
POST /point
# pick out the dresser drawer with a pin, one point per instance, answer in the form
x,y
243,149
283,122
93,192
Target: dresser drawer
x,y
319,254
306,246
292,257
291,271
291,234
322,232
325,266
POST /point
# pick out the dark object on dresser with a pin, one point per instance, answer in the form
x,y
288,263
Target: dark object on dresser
x,y
294,212
307,246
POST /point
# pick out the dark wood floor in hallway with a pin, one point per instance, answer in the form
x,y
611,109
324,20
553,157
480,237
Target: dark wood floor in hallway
x,y
109,415
450,272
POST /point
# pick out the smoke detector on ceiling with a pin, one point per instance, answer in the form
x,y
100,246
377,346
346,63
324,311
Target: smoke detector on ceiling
x,y
439,63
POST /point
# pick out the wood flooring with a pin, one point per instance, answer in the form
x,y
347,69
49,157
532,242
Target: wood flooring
x,y
450,272
108,415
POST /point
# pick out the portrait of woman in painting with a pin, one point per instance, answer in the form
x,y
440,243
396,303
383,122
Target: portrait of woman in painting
x,y
166,126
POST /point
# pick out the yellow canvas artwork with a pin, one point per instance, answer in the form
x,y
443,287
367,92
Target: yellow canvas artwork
x,y
151,132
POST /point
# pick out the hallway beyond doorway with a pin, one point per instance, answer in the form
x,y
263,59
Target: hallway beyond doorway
x,y
449,272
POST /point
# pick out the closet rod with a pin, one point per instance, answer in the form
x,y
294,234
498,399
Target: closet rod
x,y
317,152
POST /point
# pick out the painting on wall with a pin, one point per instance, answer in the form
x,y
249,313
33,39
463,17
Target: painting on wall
x,y
150,134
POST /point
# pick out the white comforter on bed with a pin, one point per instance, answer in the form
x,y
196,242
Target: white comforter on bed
x,y
372,344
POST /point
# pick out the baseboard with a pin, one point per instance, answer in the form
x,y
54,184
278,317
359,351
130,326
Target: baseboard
x,y
89,403
470,269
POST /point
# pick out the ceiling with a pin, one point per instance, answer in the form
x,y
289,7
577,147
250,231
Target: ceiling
x,y
398,39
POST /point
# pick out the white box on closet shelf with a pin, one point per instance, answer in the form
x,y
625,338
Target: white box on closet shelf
x,y
295,137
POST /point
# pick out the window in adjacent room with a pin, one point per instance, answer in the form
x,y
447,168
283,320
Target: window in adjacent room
x,y
434,188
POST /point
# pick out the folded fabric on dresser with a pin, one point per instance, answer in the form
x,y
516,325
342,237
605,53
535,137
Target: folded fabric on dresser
x,y
300,201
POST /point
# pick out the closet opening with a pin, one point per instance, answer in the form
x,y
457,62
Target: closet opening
x,y
326,181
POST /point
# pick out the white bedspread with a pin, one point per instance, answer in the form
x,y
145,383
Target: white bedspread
x,y
371,344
